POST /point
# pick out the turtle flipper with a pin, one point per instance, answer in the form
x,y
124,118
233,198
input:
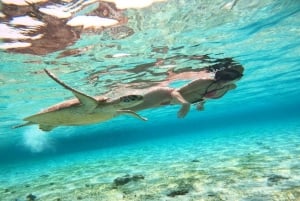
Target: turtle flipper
x,y
87,101
132,113
22,125
44,127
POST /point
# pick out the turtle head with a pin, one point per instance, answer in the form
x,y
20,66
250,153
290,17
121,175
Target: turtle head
x,y
130,100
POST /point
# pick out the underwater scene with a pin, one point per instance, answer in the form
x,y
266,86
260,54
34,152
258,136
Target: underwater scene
x,y
155,100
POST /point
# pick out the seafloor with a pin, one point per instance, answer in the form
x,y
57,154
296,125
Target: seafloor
x,y
249,163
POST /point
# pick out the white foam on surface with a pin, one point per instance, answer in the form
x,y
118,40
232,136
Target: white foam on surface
x,y
91,21
7,32
26,21
136,4
56,11
21,2
6,46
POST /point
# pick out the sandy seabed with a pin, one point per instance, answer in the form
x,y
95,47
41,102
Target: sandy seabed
x,y
246,164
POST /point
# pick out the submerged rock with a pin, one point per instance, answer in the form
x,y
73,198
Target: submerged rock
x,y
30,197
273,179
261,197
179,191
182,189
212,194
137,177
119,181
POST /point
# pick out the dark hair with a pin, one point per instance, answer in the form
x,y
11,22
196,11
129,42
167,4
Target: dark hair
x,y
228,75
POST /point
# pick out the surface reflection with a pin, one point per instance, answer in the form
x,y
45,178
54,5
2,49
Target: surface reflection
x,y
44,27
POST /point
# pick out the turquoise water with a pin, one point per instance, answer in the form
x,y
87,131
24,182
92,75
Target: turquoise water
x,y
244,146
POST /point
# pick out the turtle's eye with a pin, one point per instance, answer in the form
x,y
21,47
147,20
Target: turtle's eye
x,y
125,99
131,98
135,97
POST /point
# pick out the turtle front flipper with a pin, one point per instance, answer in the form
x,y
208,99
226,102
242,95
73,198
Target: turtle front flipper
x,y
44,127
87,101
132,113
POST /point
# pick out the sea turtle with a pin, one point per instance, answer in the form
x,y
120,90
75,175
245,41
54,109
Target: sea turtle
x,y
83,109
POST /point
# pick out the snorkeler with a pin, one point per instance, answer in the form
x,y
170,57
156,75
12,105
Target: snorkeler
x,y
213,83
200,90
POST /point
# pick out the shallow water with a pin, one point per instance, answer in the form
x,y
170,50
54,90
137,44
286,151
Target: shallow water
x,y
244,146
258,162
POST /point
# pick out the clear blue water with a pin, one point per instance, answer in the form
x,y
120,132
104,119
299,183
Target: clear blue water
x,y
244,146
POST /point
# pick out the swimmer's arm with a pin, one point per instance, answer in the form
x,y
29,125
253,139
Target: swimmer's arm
x,y
185,105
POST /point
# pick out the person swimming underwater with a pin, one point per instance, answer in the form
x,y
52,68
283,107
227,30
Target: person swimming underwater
x,y
213,83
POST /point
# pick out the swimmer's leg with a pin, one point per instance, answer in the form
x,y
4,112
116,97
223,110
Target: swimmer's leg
x,y
185,105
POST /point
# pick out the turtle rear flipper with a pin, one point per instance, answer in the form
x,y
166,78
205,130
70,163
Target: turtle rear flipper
x,y
43,127
22,125
132,113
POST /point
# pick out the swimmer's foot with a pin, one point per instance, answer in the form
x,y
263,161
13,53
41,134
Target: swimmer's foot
x,y
200,106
